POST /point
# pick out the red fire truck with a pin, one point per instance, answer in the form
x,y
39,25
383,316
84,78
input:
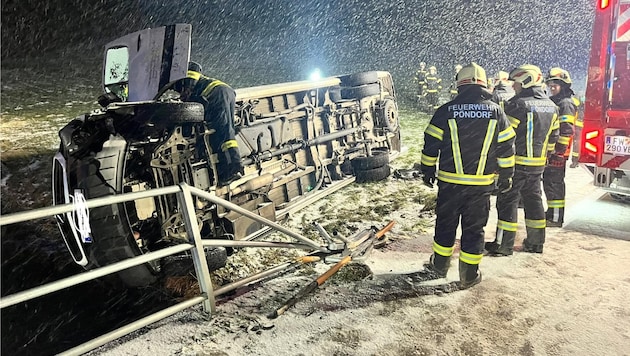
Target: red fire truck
x,y
605,139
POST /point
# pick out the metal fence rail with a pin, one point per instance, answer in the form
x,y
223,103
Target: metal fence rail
x,y
185,195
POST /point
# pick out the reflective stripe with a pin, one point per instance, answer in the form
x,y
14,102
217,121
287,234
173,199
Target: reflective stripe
x,y
194,75
531,161
465,179
576,101
428,160
506,225
554,125
555,203
481,166
564,140
551,147
567,118
229,144
529,139
506,162
506,134
469,258
536,224
434,131
513,121
579,123
457,154
213,84
575,154
442,250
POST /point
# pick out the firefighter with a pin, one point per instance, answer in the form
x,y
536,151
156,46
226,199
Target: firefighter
x,y
577,136
502,91
218,100
535,119
559,84
420,78
453,88
472,139
433,86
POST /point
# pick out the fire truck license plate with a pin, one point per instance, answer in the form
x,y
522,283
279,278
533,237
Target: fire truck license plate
x,y
619,145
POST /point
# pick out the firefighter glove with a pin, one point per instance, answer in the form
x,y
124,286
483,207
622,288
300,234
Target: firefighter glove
x,y
429,179
504,185
233,159
555,160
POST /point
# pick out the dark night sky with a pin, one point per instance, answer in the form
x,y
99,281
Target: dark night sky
x,y
249,42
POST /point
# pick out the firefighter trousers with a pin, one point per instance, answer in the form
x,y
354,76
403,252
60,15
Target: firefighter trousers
x,y
525,185
555,190
219,115
471,204
433,98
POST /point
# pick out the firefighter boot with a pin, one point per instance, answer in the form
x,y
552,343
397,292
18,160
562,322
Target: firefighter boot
x,y
503,245
439,264
469,275
437,267
534,241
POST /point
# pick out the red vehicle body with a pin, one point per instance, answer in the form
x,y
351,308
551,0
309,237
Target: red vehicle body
x,y
605,139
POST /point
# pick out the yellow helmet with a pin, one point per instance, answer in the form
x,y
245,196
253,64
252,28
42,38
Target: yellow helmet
x,y
560,74
528,75
472,74
502,76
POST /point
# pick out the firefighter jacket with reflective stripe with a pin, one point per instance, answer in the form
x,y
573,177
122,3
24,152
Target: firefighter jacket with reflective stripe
x,y
472,139
433,83
420,77
535,120
567,111
218,100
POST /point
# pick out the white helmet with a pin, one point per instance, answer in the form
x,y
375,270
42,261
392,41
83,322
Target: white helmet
x,y
528,75
472,74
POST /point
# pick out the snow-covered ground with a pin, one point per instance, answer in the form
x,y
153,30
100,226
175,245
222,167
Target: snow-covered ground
x,y
570,300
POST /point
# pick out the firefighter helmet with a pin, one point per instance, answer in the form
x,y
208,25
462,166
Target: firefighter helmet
x,y
194,70
560,74
502,76
528,75
422,64
472,74
185,86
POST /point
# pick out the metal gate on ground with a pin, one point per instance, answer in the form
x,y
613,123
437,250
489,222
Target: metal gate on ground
x,y
207,295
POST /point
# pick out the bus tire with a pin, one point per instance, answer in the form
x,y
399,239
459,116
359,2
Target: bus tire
x,y
373,175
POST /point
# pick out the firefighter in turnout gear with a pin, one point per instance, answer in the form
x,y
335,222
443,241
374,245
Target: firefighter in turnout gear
x,y
420,78
453,88
535,119
467,140
218,100
559,84
433,87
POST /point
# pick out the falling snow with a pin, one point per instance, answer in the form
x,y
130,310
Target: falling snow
x,y
52,58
